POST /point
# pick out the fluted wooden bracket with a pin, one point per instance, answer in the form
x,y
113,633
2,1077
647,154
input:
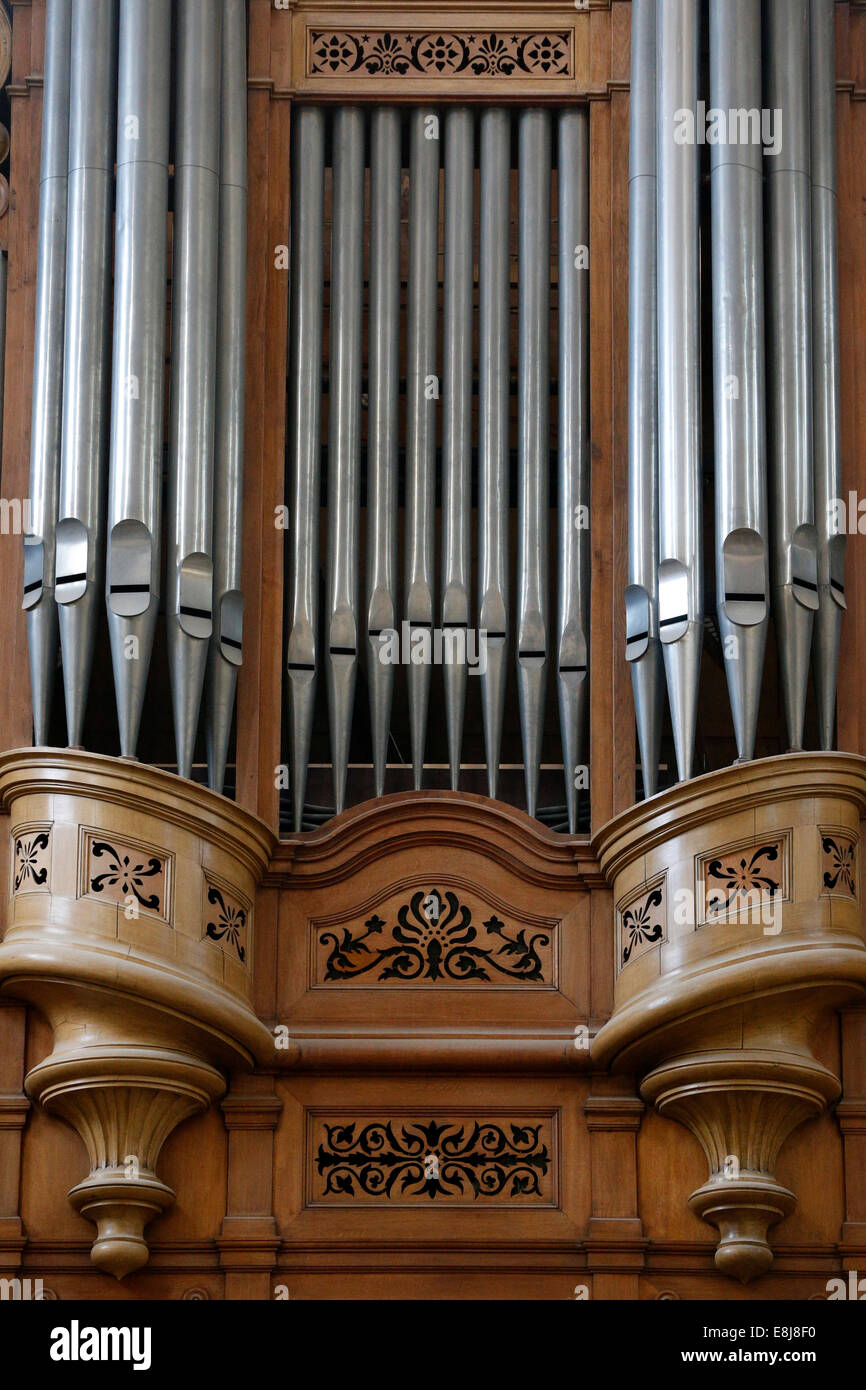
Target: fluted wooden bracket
x,y
130,929
737,935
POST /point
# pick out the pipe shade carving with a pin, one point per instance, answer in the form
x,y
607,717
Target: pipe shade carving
x,y
147,991
728,978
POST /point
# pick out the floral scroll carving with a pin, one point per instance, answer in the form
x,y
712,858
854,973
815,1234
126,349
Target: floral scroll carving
x,y
743,877
439,53
453,1160
227,920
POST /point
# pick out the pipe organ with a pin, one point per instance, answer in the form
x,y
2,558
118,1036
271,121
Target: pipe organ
x,y
431,836
112,174
474,437
773,341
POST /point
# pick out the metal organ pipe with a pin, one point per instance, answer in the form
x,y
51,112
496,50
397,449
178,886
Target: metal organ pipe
x,y
45,432
344,434
138,370
738,366
305,388
80,530
681,614
574,480
189,589
789,350
457,419
533,394
825,359
383,421
493,420
226,642
422,391
643,649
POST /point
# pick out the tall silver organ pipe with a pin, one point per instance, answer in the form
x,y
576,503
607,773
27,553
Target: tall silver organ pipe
x,y
643,649
422,393
138,369
738,366
493,421
789,352
457,420
305,439
227,637
344,434
189,567
574,479
825,361
81,525
45,432
383,421
533,406
681,613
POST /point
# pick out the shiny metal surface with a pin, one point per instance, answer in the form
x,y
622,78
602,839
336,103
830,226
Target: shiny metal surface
x,y
680,559
189,567
742,574
789,353
574,447
305,437
825,369
47,405
226,646
493,440
383,421
423,389
138,366
457,419
643,649
344,435
533,454
81,510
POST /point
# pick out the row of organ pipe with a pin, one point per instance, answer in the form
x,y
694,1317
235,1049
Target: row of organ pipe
x,y
446,149
775,360
97,435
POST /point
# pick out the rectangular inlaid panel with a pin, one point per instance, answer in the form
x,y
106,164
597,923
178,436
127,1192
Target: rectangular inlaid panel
x,y
431,1158
469,54
31,859
119,870
226,919
641,922
433,936
738,878
838,863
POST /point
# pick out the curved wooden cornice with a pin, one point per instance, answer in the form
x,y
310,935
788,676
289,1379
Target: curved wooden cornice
x,y
139,789
428,819
733,789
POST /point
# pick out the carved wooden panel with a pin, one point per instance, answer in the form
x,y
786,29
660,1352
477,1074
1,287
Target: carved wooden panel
x,y
226,920
433,936
438,1158
838,863
743,876
641,922
436,53
31,859
441,51
123,871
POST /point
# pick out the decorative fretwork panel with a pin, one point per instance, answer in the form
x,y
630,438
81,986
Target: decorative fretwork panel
x,y
743,877
641,922
226,920
838,863
432,936
135,876
31,859
432,1159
